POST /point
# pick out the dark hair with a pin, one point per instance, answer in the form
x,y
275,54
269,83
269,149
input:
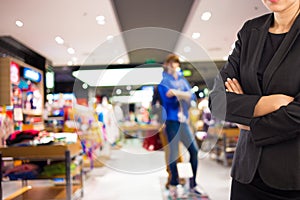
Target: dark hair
x,y
172,58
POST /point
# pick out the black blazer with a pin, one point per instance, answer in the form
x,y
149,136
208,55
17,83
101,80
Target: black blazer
x,y
273,145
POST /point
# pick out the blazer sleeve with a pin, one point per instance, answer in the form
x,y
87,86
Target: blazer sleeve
x,y
229,106
278,126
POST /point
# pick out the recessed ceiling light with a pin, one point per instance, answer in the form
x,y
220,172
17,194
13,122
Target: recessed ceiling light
x,y
109,37
59,40
70,63
195,35
100,18
206,16
19,23
120,61
71,50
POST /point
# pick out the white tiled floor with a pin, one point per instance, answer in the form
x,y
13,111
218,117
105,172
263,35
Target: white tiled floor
x,y
133,173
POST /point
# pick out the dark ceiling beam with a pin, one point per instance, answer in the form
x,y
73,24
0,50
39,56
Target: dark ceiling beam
x,y
167,14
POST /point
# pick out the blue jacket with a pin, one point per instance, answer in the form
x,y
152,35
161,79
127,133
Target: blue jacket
x,y
172,105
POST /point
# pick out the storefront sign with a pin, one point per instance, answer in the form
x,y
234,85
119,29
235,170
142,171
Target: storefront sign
x,y
32,75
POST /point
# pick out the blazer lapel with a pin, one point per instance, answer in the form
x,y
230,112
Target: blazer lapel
x,y
281,53
257,42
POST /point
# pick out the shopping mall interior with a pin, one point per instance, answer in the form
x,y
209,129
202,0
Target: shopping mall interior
x,y
77,84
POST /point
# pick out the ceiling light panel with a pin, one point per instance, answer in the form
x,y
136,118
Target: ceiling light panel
x,y
120,77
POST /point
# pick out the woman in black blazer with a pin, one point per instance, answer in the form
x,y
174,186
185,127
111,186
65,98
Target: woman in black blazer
x,y
259,89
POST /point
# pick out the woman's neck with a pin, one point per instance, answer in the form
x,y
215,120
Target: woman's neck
x,y
284,20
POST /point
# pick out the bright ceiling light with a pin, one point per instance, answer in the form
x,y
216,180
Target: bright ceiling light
x,y
120,77
120,61
59,40
196,35
225,58
206,16
109,37
100,19
70,63
71,50
19,23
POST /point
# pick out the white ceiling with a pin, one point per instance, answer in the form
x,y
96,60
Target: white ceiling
x,y
75,22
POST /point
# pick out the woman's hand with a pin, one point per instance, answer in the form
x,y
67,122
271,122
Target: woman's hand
x,y
266,104
244,127
232,85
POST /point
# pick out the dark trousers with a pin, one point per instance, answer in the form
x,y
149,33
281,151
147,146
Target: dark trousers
x,y
258,190
177,132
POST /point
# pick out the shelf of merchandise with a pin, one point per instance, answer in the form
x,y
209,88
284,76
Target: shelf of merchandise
x,y
50,153
7,94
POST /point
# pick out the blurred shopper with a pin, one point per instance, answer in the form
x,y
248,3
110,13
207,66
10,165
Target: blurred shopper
x,y
175,93
262,80
157,111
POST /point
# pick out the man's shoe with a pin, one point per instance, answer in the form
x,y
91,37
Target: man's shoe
x,y
196,191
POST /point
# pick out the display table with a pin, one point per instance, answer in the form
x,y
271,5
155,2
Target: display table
x,y
140,127
50,153
140,130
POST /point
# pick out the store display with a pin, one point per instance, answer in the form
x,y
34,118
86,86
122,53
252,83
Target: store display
x,y
6,125
24,90
45,153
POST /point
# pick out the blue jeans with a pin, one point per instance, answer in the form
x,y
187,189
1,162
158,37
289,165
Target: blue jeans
x,y
176,132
